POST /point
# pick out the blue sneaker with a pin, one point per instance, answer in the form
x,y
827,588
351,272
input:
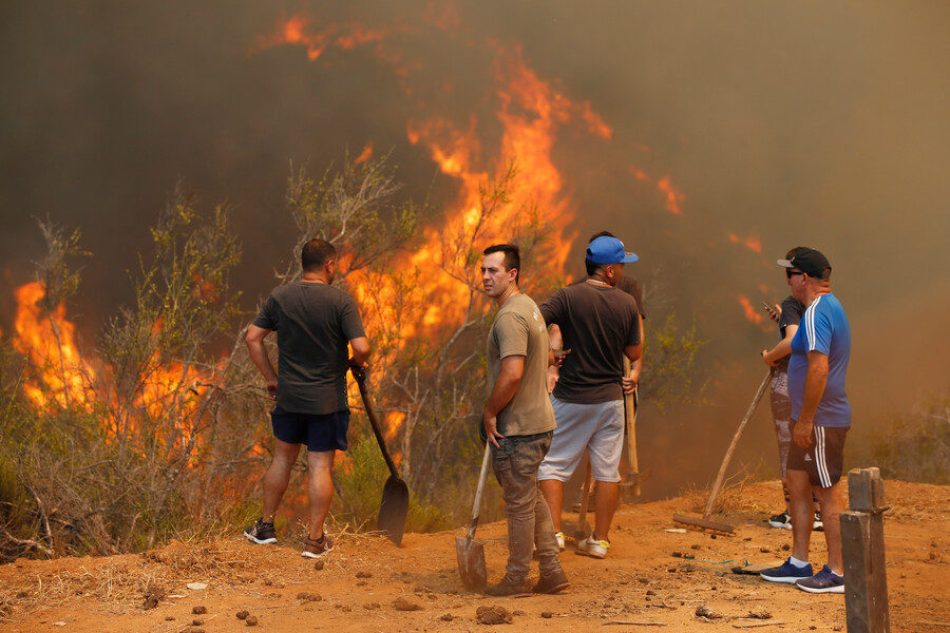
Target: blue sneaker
x,y
825,581
787,572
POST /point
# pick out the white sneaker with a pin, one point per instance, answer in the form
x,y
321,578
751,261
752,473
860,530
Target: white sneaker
x,y
592,547
560,540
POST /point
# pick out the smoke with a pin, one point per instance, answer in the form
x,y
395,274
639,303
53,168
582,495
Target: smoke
x,y
779,124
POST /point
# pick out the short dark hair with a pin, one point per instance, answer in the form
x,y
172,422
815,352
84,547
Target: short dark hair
x,y
512,256
316,253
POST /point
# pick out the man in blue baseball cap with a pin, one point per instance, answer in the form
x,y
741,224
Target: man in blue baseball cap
x,y
599,324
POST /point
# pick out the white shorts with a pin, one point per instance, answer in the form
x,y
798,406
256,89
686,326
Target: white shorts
x,y
595,427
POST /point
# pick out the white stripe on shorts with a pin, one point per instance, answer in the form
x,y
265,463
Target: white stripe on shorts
x,y
821,459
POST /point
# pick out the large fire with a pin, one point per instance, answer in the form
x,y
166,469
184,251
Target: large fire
x,y
62,378
529,112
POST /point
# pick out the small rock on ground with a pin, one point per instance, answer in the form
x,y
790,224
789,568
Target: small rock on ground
x,y
401,604
493,615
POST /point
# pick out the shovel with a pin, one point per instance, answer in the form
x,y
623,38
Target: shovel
x,y
395,503
471,553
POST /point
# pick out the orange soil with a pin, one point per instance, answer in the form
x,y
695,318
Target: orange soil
x,y
641,584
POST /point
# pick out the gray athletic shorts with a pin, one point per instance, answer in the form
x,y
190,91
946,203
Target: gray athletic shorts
x,y
598,428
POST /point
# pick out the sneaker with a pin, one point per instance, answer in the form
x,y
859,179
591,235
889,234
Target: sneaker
x,y
560,540
818,526
593,547
261,532
787,572
781,521
553,582
825,581
509,586
316,548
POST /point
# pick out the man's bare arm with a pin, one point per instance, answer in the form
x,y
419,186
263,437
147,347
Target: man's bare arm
x,y
255,346
631,380
815,381
504,389
361,351
783,349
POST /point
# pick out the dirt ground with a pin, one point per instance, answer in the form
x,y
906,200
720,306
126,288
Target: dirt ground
x,y
653,579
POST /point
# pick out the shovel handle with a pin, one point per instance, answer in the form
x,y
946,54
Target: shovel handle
x,y
482,476
360,377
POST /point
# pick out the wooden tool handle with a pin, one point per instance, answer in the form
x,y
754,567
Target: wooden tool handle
x,y
482,476
631,403
714,493
360,377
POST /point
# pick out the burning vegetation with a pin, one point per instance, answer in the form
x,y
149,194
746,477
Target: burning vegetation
x,y
159,427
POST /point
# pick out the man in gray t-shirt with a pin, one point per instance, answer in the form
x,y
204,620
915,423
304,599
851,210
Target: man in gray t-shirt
x,y
315,324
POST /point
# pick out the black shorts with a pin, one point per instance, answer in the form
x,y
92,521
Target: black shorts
x,y
824,459
321,433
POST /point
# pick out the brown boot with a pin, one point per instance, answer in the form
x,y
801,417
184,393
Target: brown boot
x,y
509,586
552,582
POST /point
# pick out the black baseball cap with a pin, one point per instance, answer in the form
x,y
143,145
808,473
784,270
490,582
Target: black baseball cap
x,y
811,262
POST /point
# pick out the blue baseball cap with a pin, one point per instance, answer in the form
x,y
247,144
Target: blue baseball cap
x,y
609,250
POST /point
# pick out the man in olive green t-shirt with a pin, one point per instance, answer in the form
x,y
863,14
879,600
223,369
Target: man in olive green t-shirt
x,y
519,422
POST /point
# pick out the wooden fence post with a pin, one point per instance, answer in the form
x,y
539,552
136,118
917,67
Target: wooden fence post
x,y
862,544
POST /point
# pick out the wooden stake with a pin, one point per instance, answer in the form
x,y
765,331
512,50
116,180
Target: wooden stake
x,y
862,546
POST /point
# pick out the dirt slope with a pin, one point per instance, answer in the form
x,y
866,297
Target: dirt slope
x,y
642,584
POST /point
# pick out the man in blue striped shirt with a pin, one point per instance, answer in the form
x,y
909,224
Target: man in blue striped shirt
x,y
821,416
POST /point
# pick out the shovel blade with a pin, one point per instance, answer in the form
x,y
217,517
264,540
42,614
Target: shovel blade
x,y
471,561
393,509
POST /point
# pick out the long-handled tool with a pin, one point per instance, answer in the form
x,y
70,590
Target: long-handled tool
x,y
395,503
469,552
583,530
704,522
631,466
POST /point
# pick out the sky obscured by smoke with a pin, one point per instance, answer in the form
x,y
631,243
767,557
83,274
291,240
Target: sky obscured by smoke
x,y
816,123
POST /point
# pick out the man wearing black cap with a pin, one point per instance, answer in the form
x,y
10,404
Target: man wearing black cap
x,y
821,416
599,324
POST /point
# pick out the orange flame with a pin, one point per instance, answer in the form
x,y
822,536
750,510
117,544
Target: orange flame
x,y
63,378
752,315
752,242
674,198
365,155
49,343
394,422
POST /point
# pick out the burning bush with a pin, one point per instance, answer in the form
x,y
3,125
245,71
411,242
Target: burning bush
x,y
158,436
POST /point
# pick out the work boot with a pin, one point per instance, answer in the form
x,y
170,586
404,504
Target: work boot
x,y
552,582
509,586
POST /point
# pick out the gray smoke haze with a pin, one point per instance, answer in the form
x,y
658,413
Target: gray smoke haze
x,y
816,123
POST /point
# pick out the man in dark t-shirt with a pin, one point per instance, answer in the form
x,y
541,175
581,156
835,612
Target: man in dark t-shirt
x,y
600,325
788,315
315,323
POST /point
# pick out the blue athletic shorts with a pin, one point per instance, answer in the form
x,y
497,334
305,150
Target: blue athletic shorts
x,y
321,433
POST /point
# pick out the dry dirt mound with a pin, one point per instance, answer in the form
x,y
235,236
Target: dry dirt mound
x,y
653,578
